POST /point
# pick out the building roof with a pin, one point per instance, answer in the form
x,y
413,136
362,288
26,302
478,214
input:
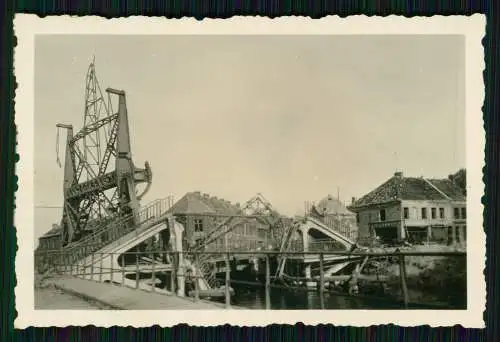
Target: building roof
x,y
399,187
258,205
331,206
198,203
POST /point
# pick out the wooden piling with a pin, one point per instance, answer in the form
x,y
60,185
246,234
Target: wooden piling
x,y
123,270
65,263
268,284
173,273
56,263
111,268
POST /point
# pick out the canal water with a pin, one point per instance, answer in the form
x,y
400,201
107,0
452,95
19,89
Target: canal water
x,y
249,293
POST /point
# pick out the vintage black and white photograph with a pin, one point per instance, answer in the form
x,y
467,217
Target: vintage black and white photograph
x,y
281,172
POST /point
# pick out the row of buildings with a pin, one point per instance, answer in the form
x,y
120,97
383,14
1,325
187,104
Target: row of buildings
x,y
201,214
415,209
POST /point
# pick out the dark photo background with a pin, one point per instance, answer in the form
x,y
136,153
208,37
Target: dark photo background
x,y
8,157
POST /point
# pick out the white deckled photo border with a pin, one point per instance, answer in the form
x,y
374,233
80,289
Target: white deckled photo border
x,y
28,26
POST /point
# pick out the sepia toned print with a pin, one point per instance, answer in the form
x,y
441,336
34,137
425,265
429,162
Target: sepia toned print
x,y
285,173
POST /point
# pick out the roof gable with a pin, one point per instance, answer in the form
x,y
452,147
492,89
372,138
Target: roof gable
x,y
452,190
418,189
330,205
190,204
258,205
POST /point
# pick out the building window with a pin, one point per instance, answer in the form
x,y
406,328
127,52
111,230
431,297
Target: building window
x,y
433,213
441,213
424,213
406,213
382,215
464,213
253,230
198,225
261,234
357,218
456,213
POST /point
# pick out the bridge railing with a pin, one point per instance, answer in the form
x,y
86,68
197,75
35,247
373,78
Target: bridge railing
x,y
165,277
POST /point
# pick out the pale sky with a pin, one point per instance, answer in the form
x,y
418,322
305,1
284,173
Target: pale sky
x,y
292,117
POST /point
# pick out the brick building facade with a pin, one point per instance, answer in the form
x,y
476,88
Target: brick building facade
x,y
413,209
201,214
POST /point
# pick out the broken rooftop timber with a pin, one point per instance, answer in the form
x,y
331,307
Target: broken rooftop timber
x,y
201,203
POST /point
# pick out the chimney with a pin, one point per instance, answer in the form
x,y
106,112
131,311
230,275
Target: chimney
x,y
353,200
398,174
237,204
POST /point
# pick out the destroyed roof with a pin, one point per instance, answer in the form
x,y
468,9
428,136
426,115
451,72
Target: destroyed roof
x,y
258,205
198,203
331,206
411,188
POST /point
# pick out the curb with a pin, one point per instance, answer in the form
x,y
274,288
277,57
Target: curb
x,y
87,297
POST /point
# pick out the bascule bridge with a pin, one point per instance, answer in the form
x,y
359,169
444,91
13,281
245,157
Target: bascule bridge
x,y
97,191
102,187
103,220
